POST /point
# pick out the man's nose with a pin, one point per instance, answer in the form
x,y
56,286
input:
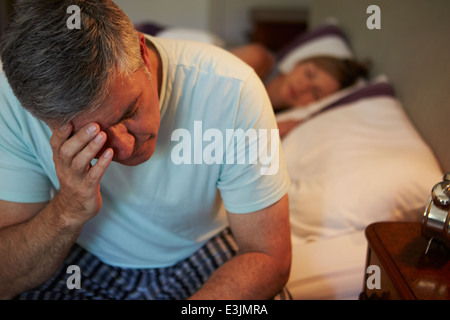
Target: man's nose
x,y
121,141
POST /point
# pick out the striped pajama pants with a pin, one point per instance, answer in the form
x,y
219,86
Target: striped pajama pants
x,y
100,281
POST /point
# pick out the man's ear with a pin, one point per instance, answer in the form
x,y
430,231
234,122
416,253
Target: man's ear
x,y
144,51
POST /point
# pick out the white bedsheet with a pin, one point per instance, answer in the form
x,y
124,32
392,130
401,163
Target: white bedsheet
x,y
328,269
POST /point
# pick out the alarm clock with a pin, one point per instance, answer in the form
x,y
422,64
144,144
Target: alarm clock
x,y
436,218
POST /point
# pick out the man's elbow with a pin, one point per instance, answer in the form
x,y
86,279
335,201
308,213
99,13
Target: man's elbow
x,y
285,269
284,262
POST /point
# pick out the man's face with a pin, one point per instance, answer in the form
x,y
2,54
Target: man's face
x,y
130,118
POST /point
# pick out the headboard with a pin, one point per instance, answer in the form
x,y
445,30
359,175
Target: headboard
x,y
412,48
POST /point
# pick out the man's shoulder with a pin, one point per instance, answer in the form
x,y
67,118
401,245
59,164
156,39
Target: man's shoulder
x,y
13,116
8,101
203,57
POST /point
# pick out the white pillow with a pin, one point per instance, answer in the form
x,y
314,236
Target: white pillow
x,y
356,164
327,39
332,45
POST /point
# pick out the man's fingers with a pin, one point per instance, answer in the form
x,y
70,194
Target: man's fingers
x,y
96,172
59,136
73,145
82,160
79,140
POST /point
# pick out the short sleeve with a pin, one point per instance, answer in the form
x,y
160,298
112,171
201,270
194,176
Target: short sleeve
x,y
254,175
22,178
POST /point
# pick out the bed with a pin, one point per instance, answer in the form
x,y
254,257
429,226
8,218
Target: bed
x,y
356,159
356,163
371,152
368,153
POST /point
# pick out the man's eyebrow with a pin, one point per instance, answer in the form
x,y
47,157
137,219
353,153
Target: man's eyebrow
x,y
129,110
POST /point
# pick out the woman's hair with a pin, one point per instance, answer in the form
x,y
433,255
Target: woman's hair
x,y
57,72
345,71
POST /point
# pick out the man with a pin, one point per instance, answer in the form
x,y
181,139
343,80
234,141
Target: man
x,y
88,176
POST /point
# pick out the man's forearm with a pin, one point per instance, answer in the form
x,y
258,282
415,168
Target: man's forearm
x,y
33,250
253,276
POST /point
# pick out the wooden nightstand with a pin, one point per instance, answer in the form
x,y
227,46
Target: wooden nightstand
x,y
406,273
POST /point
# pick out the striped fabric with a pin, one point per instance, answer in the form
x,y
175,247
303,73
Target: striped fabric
x,y
103,282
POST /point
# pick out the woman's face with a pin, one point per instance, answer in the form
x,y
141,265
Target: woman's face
x,y
307,83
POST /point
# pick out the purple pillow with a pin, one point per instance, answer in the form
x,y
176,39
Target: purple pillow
x,y
371,90
314,34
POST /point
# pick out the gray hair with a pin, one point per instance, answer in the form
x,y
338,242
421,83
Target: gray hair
x,y
56,72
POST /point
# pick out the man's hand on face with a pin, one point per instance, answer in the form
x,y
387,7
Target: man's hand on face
x,y
79,197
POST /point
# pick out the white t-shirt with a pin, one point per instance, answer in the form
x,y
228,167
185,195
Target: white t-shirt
x,y
162,211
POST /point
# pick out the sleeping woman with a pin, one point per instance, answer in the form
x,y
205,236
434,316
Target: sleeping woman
x,y
310,80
